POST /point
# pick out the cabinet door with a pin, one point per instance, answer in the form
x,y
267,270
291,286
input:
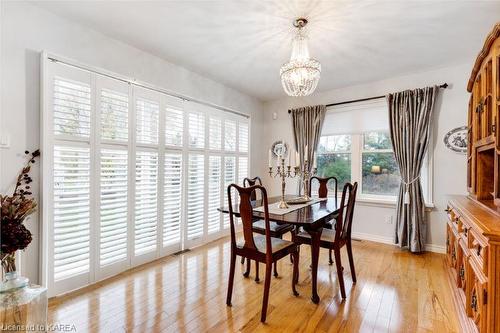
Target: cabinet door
x,y
462,267
476,308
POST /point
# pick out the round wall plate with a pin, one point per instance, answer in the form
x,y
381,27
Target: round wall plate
x,y
279,148
456,139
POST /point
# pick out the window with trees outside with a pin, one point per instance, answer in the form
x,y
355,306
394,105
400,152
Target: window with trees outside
x,y
355,146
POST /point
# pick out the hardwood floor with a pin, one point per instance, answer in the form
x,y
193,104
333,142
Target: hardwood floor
x,y
396,292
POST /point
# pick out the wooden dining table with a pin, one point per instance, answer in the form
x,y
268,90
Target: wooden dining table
x,y
311,218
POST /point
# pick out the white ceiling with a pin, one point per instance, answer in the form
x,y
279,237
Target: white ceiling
x,y
243,43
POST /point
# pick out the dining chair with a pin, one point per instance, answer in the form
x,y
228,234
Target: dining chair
x,y
261,248
323,193
340,236
277,230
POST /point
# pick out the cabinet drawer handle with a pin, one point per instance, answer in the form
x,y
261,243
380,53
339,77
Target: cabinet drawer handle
x,y
473,303
462,272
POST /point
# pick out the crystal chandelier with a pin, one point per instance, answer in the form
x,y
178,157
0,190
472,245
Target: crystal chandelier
x,y
300,75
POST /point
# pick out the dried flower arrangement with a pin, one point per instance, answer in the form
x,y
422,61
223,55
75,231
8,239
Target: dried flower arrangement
x,y
15,209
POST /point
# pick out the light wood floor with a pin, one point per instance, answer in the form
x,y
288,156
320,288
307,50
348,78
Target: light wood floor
x,y
396,292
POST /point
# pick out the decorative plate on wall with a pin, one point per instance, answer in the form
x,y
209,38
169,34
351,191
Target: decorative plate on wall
x,y
279,147
456,139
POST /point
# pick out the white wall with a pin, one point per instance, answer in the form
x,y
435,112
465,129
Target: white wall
x,y
26,30
449,167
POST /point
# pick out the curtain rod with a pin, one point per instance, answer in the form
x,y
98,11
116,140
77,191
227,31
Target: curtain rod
x,y
442,86
72,63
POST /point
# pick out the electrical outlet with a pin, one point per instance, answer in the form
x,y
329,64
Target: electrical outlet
x,y
388,219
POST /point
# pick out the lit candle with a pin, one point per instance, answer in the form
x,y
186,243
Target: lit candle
x,y
289,158
297,159
270,159
305,153
315,162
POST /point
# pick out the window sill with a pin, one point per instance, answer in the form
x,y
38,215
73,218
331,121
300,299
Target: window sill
x,y
386,203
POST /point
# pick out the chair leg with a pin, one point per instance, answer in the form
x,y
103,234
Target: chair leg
x,y
231,279
296,262
275,269
340,272
295,272
257,271
247,272
267,285
330,261
351,261
242,260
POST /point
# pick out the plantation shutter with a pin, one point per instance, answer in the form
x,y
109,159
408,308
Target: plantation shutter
x,y
174,122
71,212
196,123
114,115
71,107
243,136
146,178
129,174
195,196
172,198
113,206
229,135
229,178
214,193
242,169
147,120
215,133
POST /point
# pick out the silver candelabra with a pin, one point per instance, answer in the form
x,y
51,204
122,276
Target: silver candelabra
x,y
286,172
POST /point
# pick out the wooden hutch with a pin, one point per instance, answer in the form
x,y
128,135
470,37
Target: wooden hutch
x,y
473,228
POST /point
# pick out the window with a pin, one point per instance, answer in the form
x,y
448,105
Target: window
x,y
380,173
334,158
356,146
130,174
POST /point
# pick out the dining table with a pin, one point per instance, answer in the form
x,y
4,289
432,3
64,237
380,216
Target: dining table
x,y
311,218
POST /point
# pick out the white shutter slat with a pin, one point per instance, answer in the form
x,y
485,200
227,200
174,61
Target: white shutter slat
x,y
71,222
114,115
174,126
229,135
229,178
196,124
147,113
146,176
242,169
71,107
195,196
172,198
113,206
215,133
214,193
243,137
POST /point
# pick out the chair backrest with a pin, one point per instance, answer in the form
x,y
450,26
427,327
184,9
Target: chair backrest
x,y
246,214
323,186
247,182
346,212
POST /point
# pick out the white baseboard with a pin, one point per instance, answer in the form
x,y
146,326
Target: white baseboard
x,y
373,238
389,240
435,248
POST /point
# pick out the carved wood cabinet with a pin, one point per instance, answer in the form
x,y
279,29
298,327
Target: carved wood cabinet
x,y
473,226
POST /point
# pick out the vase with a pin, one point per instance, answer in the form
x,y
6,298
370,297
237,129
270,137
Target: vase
x,y
11,280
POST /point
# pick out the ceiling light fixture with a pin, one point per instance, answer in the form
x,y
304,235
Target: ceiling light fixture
x,y
300,76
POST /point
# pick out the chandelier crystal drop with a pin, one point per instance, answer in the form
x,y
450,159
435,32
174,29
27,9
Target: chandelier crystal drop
x,y
300,76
